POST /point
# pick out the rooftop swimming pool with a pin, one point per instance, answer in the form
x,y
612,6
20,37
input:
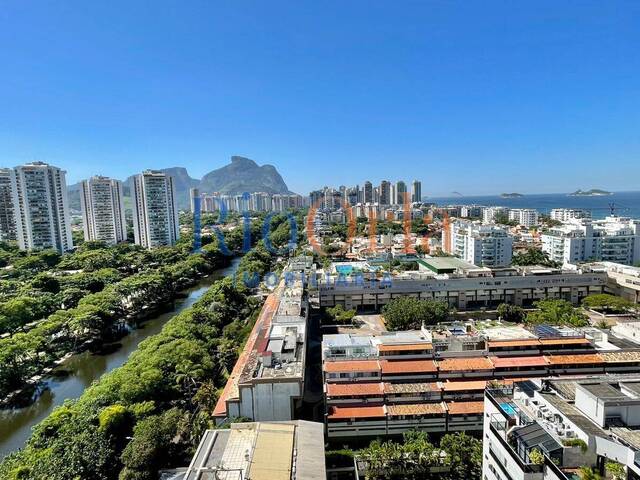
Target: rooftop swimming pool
x,y
509,409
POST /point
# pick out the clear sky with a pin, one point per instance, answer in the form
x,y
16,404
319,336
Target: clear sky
x,y
472,96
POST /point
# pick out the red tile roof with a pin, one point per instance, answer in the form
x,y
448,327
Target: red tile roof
x,y
510,362
589,358
407,366
352,366
269,309
417,347
564,341
462,363
416,409
353,389
453,386
465,408
524,342
336,413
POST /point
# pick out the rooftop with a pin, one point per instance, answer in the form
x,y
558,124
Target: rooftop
x,y
352,366
337,413
512,362
473,363
354,389
261,451
407,366
588,358
465,408
416,409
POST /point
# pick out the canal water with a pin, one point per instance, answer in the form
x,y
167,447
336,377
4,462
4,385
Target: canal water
x,y
86,367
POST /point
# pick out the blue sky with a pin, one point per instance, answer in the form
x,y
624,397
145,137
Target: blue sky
x,y
478,97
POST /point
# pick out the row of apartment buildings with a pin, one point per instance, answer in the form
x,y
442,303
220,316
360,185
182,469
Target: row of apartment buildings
x,y
387,193
613,239
526,217
34,208
255,202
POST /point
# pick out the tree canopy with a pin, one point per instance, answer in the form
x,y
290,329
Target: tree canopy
x,y
408,313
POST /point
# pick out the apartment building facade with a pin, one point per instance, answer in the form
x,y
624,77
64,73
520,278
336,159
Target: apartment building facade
x,y
40,206
7,207
482,245
566,214
526,217
464,291
416,192
155,212
102,206
614,239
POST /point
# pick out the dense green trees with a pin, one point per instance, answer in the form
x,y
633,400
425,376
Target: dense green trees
x,y
557,312
91,299
510,313
606,303
338,314
150,412
534,256
407,313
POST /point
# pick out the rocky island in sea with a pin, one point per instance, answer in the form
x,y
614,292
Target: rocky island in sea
x,y
594,192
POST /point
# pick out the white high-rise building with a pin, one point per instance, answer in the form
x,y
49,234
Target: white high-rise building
x,y
614,239
41,207
566,214
102,205
527,217
7,210
482,245
155,213
489,213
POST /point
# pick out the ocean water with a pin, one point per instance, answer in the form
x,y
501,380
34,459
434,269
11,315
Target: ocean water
x,y
626,204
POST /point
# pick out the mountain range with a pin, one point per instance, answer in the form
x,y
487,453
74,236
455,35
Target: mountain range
x,y
239,176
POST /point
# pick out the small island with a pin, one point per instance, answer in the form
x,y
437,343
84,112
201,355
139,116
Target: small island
x,y
594,192
511,195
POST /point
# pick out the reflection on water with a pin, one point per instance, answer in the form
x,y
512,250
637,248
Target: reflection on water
x,y
84,368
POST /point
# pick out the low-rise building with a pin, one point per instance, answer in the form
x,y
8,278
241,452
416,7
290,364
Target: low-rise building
x,y
434,380
462,289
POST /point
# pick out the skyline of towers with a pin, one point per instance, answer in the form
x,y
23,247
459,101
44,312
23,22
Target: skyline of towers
x,y
155,213
386,194
102,206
